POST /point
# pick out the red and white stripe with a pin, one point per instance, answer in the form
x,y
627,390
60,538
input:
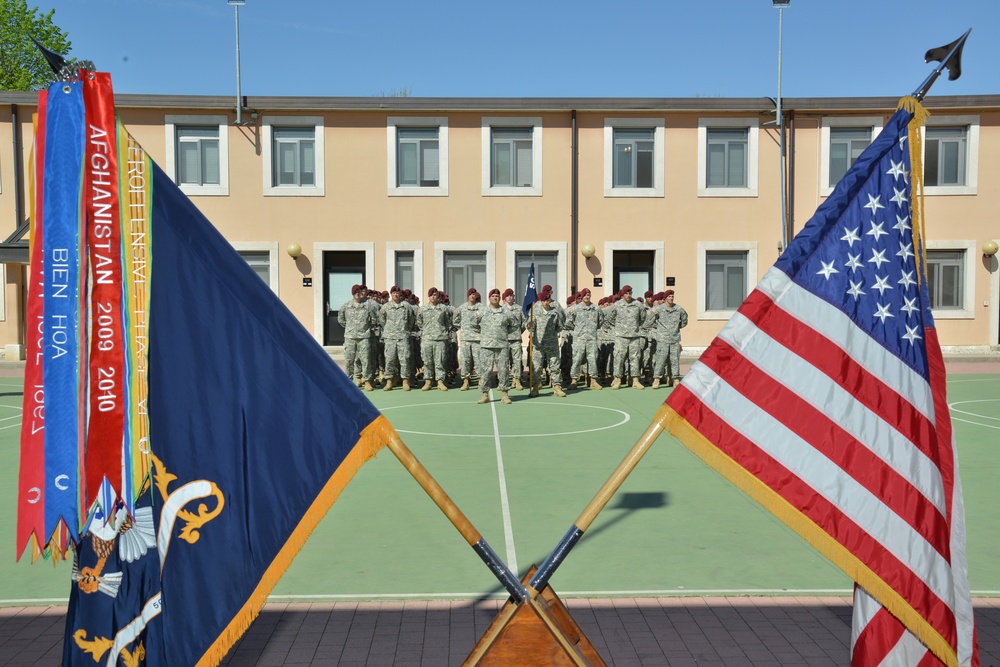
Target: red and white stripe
x,y
850,436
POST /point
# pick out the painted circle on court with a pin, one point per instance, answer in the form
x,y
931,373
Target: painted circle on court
x,y
968,413
624,418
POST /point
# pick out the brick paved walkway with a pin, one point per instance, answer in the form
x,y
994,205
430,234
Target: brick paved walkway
x,y
627,632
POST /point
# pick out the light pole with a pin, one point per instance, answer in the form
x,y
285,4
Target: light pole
x,y
239,96
781,4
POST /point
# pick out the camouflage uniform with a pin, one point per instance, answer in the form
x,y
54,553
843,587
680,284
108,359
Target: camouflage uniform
x,y
434,322
495,324
627,318
648,343
545,325
358,319
606,343
397,321
514,341
668,322
467,325
585,321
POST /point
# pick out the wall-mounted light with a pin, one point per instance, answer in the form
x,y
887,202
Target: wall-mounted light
x,y
990,248
294,250
588,250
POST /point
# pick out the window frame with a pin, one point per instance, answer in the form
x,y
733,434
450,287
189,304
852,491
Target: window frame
x,y
971,124
268,123
561,250
705,247
272,258
442,247
170,124
752,125
417,248
658,126
392,148
967,310
490,122
874,123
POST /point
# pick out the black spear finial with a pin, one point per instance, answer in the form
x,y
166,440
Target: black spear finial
x,y
64,70
950,56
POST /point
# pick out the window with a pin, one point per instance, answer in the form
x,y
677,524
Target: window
x,y
633,157
846,145
633,167
843,139
951,155
727,272
951,272
263,259
198,153
546,272
463,270
418,156
944,156
404,269
727,157
512,156
260,262
293,156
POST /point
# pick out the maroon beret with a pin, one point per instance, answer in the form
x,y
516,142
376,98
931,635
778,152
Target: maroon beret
x,y
507,292
624,289
432,291
494,291
469,292
669,292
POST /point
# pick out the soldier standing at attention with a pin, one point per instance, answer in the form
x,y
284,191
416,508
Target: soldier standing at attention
x,y
495,324
627,317
585,320
545,326
467,325
397,319
434,323
514,338
669,319
358,319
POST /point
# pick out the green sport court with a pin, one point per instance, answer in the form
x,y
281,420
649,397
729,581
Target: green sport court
x,y
522,473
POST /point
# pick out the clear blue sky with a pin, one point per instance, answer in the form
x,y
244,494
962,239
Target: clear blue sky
x,y
537,48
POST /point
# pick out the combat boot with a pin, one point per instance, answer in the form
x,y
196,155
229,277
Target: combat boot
x,y
483,398
557,391
406,385
670,380
572,385
594,384
359,382
368,386
617,383
656,383
504,398
465,384
442,386
518,385
534,392
637,383
427,386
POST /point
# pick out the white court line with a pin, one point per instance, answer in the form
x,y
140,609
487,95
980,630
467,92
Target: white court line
x,y
954,419
508,530
4,428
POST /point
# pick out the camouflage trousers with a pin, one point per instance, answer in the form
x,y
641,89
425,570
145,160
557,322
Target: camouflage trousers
x,y
516,358
397,358
433,353
468,358
583,347
545,356
358,351
628,349
488,357
668,360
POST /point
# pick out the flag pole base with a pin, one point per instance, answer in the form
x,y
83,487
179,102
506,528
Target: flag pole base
x,y
537,631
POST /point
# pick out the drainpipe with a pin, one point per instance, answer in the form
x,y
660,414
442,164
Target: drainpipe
x,y
790,219
16,143
574,206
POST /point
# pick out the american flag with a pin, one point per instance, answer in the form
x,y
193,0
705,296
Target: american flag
x,y
824,398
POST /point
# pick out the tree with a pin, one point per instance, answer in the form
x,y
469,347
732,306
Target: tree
x,y
22,65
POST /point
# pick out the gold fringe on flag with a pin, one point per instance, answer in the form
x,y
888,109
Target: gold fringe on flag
x,y
916,141
374,437
820,540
